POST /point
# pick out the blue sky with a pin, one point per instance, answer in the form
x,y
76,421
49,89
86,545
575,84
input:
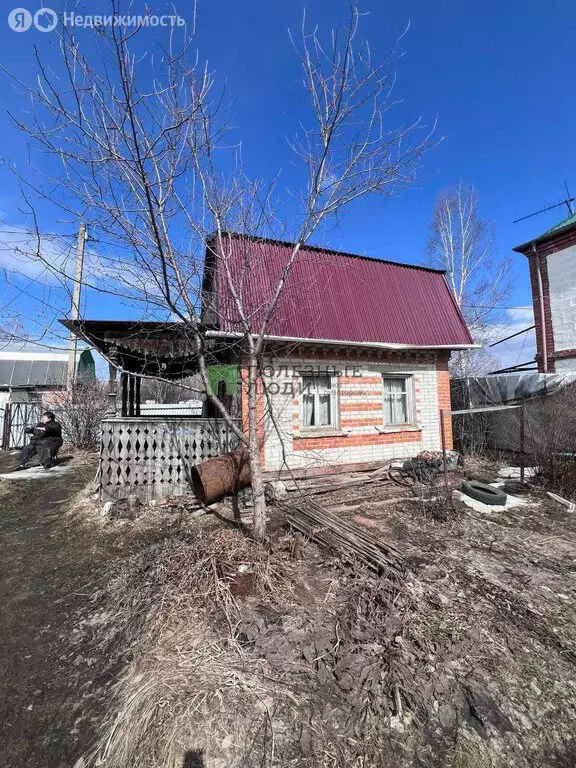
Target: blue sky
x,y
495,76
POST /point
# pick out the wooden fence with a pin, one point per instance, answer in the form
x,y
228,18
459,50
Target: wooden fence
x,y
151,457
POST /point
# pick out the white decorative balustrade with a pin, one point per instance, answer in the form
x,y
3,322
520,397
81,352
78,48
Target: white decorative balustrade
x,y
151,457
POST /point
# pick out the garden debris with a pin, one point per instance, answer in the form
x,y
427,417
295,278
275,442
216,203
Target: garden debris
x,y
318,484
489,509
570,506
330,530
281,655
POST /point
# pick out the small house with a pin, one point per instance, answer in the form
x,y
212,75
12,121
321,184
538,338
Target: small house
x,y
354,368
29,377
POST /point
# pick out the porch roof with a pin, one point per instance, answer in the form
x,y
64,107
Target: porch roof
x,y
141,346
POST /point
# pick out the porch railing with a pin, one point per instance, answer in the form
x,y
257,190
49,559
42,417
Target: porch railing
x,y
151,457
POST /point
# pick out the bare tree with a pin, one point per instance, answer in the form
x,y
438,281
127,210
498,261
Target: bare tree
x,y
80,410
144,158
462,243
163,391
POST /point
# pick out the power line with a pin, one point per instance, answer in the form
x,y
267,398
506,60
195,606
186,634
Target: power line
x,y
501,341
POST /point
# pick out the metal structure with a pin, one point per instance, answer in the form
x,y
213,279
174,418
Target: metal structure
x,y
567,202
152,457
331,297
16,417
444,413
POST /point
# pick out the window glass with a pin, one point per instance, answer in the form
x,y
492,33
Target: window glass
x,y
318,401
396,400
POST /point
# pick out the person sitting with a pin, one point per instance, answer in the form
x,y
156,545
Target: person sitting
x,y
45,443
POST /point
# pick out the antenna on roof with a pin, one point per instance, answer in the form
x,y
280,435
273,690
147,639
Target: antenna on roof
x,y
567,202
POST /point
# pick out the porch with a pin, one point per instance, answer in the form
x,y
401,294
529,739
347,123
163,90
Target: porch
x,y
151,456
143,454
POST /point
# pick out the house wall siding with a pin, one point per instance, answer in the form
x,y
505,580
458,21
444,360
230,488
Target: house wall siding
x,y
362,436
562,292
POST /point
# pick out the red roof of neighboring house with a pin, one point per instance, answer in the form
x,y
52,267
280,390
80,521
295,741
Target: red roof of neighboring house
x,y
335,296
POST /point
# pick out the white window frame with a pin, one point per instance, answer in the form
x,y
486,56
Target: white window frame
x,y
332,391
408,378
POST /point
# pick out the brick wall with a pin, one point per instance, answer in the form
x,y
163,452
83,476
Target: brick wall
x,y
532,262
360,434
444,404
557,257
260,409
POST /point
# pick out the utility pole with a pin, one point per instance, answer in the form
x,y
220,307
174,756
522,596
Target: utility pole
x,y
75,307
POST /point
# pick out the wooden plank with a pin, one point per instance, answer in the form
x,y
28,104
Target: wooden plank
x,y
570,506
326,528
325,471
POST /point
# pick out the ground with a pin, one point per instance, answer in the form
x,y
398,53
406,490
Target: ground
x,y
172,642
52,681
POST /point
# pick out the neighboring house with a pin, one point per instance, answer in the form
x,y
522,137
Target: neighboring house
x,y
29,378
28,373
552,263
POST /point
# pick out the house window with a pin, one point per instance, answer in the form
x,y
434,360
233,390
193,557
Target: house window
x,y
397,400
318,402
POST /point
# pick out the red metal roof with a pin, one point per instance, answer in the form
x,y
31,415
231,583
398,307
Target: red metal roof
x,y
336,296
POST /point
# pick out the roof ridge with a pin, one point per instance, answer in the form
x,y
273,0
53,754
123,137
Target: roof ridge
x,y
320,249
567,222
557,230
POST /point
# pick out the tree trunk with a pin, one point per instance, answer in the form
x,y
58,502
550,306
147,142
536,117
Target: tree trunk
x,y
257,482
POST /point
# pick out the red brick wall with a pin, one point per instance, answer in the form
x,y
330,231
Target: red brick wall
x,y
351,441
444,401
532,265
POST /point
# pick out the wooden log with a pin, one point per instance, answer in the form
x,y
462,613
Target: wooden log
x,y
570,506
315,490
325,471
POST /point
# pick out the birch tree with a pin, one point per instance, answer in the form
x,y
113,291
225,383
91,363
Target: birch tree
x,y
462,243
145,156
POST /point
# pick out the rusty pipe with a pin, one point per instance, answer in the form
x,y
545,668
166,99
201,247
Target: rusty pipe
x,y
215,478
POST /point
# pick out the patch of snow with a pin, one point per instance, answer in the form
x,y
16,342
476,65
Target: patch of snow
x,y
513,473
487,509
37,473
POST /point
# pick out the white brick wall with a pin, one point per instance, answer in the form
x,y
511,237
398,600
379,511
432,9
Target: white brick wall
x,y
279,435
565,366
562,281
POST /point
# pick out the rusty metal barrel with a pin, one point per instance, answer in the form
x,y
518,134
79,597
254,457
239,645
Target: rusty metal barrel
x,y
215,478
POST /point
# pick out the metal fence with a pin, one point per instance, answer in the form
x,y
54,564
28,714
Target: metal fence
x,y
16,417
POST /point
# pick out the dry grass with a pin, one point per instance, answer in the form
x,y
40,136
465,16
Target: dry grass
x,y
280,657
190,686
269,678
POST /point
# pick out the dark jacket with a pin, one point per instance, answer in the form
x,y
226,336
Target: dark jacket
x,y
46,434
